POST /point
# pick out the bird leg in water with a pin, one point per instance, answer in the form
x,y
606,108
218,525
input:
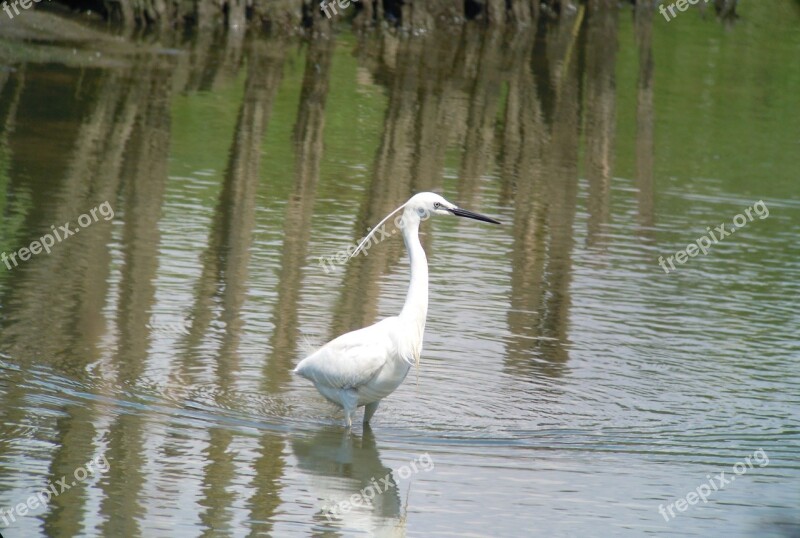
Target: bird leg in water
x,y
369,410
349,403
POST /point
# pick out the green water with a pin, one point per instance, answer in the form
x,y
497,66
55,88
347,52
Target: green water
x,y
568,386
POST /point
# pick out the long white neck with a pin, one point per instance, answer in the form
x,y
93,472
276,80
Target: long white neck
x,y
415,309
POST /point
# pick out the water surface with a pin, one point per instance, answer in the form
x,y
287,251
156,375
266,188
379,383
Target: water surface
x,y
568,385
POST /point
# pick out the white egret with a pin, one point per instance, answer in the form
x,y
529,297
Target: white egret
x,y
362,367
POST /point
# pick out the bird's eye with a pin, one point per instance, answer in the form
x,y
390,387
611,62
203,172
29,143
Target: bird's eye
x,y
436,205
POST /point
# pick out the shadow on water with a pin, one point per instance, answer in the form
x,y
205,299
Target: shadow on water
x,y
523,124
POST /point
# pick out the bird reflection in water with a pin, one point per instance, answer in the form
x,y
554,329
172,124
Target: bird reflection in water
x,y
343,468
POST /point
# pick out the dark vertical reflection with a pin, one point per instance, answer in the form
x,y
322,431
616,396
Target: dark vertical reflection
x,y
520,143
483,61
540,140
231,62
561,169
75,441
12,391
222,287
525,139
645,118
66,336
144,177
307,142
198,68
437,110
601,109
59,321
11,88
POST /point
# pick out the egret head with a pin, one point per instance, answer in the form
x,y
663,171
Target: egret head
x,y
425,204
420,207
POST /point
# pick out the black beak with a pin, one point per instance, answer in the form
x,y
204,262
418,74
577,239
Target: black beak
x,y
469,214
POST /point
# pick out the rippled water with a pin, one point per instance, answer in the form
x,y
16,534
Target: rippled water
x,y
568,385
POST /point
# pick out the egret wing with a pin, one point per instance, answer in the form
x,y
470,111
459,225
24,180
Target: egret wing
x,y
350,360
